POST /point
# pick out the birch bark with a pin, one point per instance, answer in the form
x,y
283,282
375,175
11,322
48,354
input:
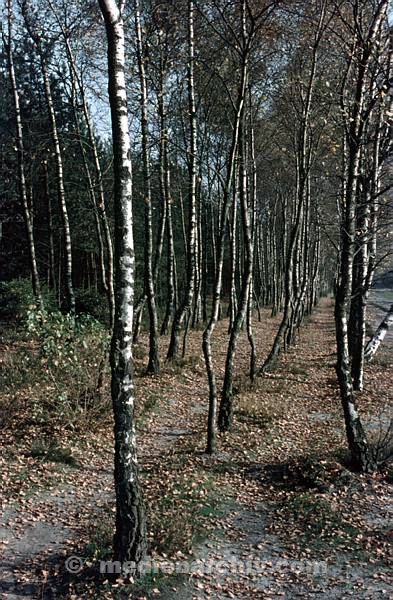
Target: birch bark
x,y
186,305
130,535
8,45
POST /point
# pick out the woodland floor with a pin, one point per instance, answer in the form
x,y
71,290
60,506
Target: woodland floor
x,y
276,492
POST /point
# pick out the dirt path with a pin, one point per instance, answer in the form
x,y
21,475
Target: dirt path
x,y
258,527
296,535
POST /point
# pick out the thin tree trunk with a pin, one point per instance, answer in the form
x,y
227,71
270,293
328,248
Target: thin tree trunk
x,y
357,313
366,239
90,185
197,312
253,217
378,337
361,454
107,273
27,214
51,262
60,189
232,227
302,168
225,416
171,264
207,334
186,304
130,535
154,361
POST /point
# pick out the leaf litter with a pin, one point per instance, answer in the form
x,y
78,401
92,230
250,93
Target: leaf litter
x,y
276,495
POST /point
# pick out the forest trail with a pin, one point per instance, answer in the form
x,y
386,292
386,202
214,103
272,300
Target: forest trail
x,y
305,527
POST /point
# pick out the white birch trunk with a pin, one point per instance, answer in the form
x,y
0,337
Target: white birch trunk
x,y
186,305
375,342
27,214
130,535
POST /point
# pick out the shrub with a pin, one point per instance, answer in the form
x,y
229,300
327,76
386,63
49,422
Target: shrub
x,y
91,303
15,298
49,450
64,365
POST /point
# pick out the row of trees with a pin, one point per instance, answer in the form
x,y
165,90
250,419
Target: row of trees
x,y
261,139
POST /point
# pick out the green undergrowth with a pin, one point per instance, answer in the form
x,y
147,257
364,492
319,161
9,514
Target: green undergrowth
x,y
59,373
101,533
181,518
176,366
147,406
151,585
51,451
320,525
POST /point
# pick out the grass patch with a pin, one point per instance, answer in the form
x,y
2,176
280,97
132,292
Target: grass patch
x,y
148,405
295,369
150,585
177,365
50,451
101,538
254,410
319,525
182,515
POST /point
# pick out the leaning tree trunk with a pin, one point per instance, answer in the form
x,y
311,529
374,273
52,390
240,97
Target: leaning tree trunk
x,y
90,185
27,214
130,535
377,339
207,334
225,415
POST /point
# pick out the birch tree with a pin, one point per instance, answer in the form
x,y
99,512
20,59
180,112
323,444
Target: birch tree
x,y
244,60
36,35
375,342
303,149
184,310
154,362
130,535
95,185
359,60
373,155
8,43
225,415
